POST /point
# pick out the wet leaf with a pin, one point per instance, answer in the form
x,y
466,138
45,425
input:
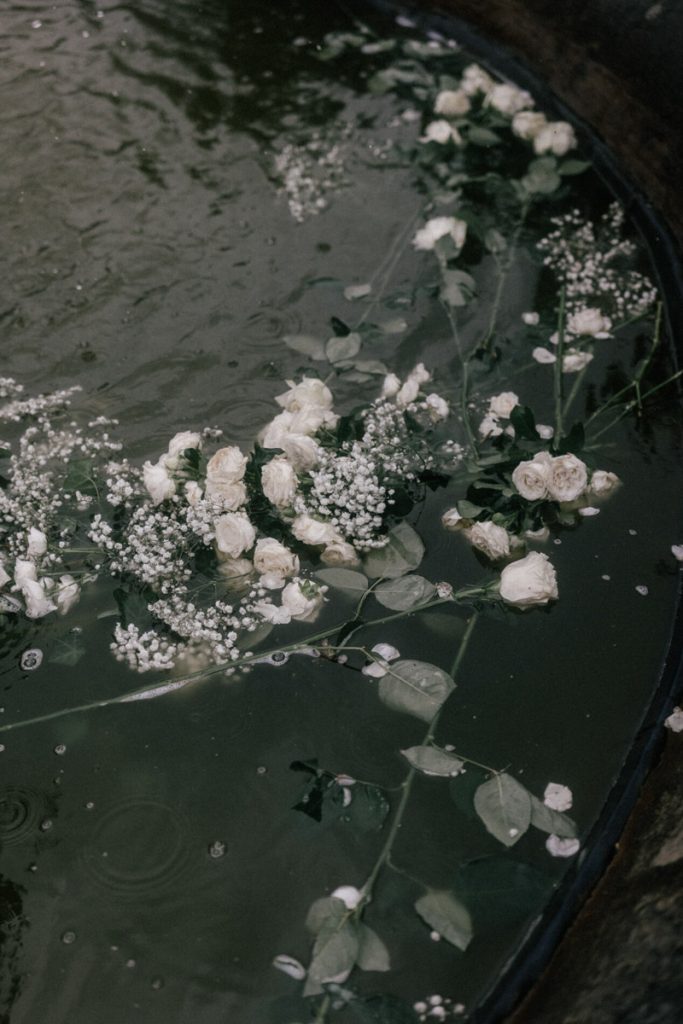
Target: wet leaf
x,y
504,805
368,809
568,167
548,820
405,592
351,582
373,955
415,687
67,651
402,554
522,419
339,348
483,136
447,916
334,952
306,344
500,889
322,910
434,761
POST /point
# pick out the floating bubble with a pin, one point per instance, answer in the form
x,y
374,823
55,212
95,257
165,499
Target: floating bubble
x,y
217,849
68,938
31,659
60,749
157,983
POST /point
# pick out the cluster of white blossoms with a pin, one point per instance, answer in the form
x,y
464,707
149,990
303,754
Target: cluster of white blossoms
x,y
561,478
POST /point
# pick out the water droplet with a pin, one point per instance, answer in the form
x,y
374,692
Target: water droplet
x,y
36,24
130,963
2,747
60,749
261,770
33,867
68,938
31,659
642,590
157,983
217,849
46,824
89,806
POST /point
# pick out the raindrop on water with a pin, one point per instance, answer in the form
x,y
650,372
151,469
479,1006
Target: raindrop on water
x,y
261,770
46,824
68,938
157,983
31,659
217,849
60,749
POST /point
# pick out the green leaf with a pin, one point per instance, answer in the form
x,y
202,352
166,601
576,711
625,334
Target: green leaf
x,y
573,166
483,136
402,554
372,366
504,805
500,889
542,177
548,820
373,955
340,348
79,477
405,593
434,761
467,509
350,582
522,419
306,344
334,953
67,651
447,916
415,687
322,910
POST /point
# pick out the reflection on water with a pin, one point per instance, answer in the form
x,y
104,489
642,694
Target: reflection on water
x,y
150,255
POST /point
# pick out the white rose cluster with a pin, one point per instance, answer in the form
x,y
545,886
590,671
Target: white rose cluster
x,y
562,478
500,408
553,137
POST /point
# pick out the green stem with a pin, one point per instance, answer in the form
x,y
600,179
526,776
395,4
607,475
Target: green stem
x,y
557,376
503,271
321,1015
389,262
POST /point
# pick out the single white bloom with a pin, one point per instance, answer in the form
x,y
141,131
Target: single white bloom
x,y
543,355
475,80
288,965
492,540
339,552
67,594
193,492
503,404
277,616
573,360
233,496
557,137
391,386
452,103
37,543
420,373
530,581
279,481
557,797
182,441
160,485
225,468
440,227
508,99
310,392
275,560
531,478
38,603
531,319
545,431
562,847
590,322
349,895
675,720
234,534
603,483
312,531
568,478
451,519
303,601
527,124
441,132
408,392
677,552
489,427
438,407
302,451
24,571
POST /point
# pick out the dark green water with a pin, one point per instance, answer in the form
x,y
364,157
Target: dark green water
x,y
151,256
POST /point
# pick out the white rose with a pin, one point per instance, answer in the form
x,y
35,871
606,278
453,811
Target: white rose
x,y
273,559
475,79
279,481
589,321
527,124
407,393
24,571
452,520
545,431
528,582
232,496
37,543
303,601
489,427
225,467
441,132
568,478
302,451
440,227
437,407
603,483
391,386
508,99
556,137
160,485
562,847
38,603
339,552
452,103
531,478
543,355
313,532
311,392
193,492
234,534
236,572
349,895
557,797
503,404
493,541
181,442
67,594
573,361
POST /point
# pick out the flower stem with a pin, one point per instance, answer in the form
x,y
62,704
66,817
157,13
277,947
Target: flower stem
x,y
557,376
